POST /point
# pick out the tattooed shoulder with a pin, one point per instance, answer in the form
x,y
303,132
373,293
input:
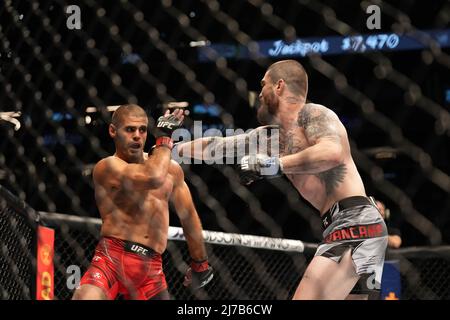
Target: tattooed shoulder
x,y
318,121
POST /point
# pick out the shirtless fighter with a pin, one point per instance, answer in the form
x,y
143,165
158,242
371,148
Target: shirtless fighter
x,y
315,156
132,191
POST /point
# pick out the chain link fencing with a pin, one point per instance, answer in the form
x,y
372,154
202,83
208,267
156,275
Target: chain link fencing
x,y
17,239
424,272
242,270
246,267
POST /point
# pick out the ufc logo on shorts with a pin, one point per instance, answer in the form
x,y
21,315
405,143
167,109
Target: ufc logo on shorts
x,y
138,249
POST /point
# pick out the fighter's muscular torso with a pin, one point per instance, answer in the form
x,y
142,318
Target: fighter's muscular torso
x,y
140,216
313,123
324,188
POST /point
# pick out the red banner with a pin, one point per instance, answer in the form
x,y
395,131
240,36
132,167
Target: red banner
x,y
45,272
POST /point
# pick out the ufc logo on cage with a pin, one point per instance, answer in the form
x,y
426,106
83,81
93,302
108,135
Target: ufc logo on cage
x,y
374,20
74,20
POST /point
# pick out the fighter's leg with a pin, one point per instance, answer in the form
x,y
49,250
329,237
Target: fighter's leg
x,y
96,284
89,292
327,280
163,295
357,297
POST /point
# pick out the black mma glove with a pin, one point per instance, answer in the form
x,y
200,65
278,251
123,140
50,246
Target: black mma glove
x,y
258,166
165,125
199,274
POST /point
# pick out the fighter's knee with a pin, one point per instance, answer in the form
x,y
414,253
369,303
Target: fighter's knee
x,y
89,292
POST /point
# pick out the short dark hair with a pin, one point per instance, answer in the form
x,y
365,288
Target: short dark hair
x,y
293,73
126,110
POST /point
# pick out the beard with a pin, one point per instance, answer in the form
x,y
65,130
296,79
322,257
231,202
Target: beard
x,y
267,109
263,116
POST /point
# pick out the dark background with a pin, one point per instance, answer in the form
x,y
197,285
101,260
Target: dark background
x,y
51,74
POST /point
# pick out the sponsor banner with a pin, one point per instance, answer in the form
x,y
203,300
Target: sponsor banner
x,y
233,239
45,270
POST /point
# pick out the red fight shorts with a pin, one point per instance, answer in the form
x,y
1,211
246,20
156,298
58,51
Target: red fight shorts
x,y
128,268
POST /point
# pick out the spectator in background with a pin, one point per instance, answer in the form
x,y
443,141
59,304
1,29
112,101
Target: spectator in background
x,y
394,234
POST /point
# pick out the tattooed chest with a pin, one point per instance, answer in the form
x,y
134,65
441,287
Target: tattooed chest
x,y
292,142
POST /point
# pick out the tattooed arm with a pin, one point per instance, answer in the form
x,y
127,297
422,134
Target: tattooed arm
x,y
210,148
194,149
324,133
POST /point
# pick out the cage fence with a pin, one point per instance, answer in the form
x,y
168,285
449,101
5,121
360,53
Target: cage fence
x,y
246,267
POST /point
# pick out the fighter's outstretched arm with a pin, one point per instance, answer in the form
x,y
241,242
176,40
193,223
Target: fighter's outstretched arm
x,y
212,148
209,148
195,149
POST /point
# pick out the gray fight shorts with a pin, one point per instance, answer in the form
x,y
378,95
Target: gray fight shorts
x,y
356,224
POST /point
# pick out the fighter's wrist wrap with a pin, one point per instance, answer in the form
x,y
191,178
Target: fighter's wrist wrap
x,y
164,142
199,266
